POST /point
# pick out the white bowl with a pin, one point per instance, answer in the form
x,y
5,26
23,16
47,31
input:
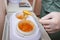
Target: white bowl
x,y
17,34
26,33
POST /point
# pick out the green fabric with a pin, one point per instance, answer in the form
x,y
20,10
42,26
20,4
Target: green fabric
x,y
51,6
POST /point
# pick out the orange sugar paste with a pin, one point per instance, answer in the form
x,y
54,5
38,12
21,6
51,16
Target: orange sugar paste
x,y
20,16
26,26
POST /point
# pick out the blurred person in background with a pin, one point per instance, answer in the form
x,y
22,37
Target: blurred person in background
x,y
50,17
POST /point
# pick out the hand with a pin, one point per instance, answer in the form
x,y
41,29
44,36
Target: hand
x,y
51,22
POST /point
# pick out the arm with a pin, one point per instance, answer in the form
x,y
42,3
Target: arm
x,y
51,22
2,17
37,8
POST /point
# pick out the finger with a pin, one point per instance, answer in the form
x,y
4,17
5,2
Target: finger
x,y
52,32
48,30
49,16
46,26
45,21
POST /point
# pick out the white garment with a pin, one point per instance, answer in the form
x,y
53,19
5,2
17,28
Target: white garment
x,y
14,1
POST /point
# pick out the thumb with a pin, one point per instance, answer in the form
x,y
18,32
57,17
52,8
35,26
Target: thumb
x,y
49,16
44,22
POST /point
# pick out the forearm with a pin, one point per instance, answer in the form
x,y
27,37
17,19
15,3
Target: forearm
x,y
37,8
2,17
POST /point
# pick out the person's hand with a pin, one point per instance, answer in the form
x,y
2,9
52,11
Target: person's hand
x,y
51,22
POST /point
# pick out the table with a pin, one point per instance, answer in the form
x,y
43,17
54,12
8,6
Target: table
x,y
12,9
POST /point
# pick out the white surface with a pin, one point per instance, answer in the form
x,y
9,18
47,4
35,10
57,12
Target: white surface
x,y
6,29
14,1
15,7
34,2
10,11
14,35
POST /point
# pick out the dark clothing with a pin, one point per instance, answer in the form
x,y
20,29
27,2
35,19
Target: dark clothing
x,y
51,6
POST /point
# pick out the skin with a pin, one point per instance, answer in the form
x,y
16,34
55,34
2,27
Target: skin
x,y
51,22
37,8
2,17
